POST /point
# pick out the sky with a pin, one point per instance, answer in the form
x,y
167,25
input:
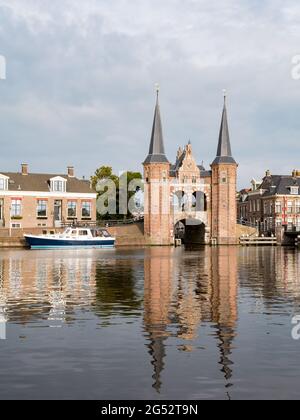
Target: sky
x,y
81,74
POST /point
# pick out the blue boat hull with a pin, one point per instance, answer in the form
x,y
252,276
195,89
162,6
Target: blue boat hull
x,y
48,243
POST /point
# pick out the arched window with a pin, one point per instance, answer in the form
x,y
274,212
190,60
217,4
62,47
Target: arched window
x,y
199,201
180,201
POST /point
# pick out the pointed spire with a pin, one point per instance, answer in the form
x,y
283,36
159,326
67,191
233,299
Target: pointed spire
x,y
224,154
157,149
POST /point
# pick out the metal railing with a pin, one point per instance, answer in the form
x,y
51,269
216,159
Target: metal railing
x,y
102,223
246,223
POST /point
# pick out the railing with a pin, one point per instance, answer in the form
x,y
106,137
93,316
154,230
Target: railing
x,y
259,240
292,229
102,223
246,223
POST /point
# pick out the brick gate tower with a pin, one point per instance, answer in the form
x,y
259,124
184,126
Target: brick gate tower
x,y
224,180
157,220
186,201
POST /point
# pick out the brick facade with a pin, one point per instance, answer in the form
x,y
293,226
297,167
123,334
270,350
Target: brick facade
x,y
35,201
272,204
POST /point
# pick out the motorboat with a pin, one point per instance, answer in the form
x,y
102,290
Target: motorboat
x,y
72,238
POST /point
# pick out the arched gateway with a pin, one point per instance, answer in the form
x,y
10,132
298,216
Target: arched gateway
x,y
184,197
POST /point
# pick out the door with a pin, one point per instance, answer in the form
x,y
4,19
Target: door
x,y
1,212
57,212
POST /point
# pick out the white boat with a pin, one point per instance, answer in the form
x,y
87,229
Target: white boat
x,y
72,238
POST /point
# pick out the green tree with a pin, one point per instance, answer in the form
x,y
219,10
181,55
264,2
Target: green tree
x,y
104,173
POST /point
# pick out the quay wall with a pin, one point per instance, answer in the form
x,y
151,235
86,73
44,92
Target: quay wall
x,y
126,235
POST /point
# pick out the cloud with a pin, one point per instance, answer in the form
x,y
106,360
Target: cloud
x,y
81,75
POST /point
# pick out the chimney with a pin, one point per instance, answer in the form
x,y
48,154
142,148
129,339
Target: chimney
x,y
71,172
296,173
24,167
268,173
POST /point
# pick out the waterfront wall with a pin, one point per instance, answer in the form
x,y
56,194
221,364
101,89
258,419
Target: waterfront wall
x,y
129,235
126,235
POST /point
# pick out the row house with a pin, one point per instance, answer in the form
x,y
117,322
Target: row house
x,y
29,200
272,203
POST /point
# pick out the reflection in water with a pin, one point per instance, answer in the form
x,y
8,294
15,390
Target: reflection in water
x,y
180,304
158,282
224,303
200,287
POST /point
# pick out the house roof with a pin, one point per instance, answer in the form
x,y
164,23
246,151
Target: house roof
x,y
279,184
41,183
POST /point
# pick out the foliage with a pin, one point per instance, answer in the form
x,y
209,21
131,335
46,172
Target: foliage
x,y
106,173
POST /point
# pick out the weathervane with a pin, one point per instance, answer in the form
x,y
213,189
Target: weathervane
x,y
157,88
225,94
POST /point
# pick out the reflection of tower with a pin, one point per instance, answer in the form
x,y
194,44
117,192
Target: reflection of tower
x,y
224,302
157,299
3,318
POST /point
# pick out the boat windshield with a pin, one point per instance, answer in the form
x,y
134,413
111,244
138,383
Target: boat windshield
x,y
100,233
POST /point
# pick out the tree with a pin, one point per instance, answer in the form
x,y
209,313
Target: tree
x,y
105,173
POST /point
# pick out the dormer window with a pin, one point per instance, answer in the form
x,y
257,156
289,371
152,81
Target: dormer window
x,y
3,183
58,185
294,190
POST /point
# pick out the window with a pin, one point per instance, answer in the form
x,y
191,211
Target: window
x,y
3,184
16,225
290,207
298,207
58,185
42,208
83,233
278,207
294,190
223,177
16,207
258,205
278,222
72,209
194,180
86,209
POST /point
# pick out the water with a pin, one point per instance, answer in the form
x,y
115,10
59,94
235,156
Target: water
x,y
157,323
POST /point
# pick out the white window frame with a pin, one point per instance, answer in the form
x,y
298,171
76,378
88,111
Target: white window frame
x,y
11,208
290,207
4,179
37,208
294,190
58,179
278,207
76,209
82,208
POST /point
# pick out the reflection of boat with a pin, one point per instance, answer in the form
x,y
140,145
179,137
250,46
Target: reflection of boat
x,y
72,238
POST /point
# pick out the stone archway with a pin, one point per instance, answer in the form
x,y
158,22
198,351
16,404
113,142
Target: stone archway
x,y
191,232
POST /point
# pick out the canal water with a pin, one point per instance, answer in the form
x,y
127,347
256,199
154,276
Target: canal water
x,y
156,323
